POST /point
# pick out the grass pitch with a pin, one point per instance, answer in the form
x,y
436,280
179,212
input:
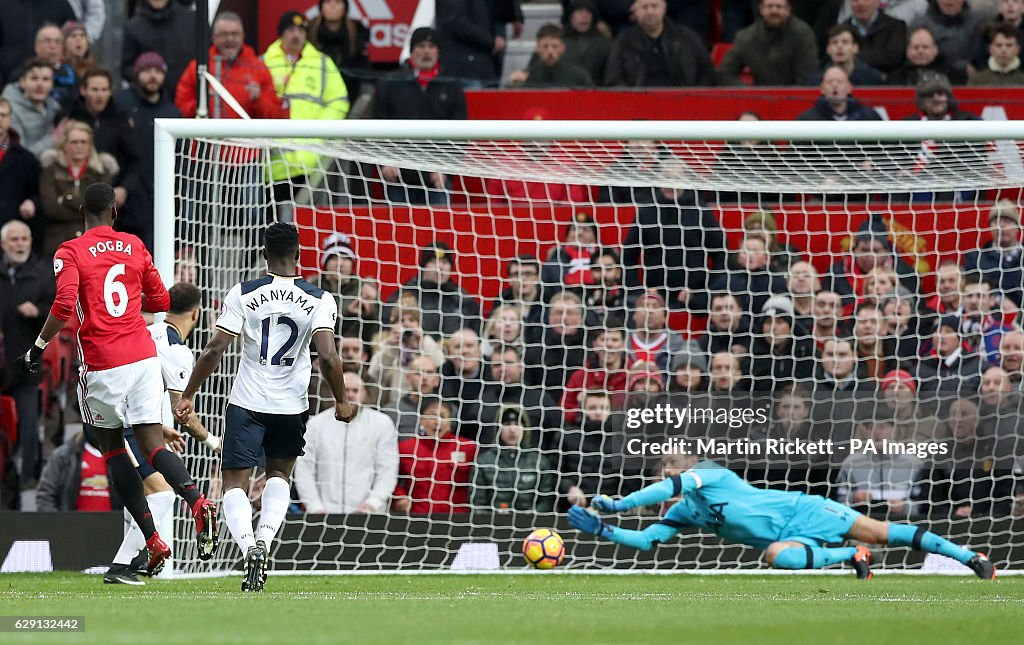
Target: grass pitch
x,y
526,609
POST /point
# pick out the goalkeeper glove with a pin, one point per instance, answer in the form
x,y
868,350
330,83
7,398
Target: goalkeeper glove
x,y
588,522
605,504
32,360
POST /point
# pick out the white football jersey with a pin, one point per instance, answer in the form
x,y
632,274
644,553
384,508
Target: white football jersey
x,y
276,317
176,359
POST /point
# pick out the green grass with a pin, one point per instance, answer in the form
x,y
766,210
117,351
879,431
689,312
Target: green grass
x,y
907,610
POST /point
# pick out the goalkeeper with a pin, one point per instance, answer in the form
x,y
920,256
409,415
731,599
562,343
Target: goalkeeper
x,y
792,528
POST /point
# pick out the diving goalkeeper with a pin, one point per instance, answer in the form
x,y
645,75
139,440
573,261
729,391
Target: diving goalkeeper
x,y
792,528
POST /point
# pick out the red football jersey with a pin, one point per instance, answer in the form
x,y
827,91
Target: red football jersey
x,y
111,278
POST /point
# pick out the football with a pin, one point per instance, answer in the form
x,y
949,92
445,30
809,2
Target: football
x,y
543,549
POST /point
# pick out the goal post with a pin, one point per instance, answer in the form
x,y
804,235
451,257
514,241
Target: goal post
x,y
928,193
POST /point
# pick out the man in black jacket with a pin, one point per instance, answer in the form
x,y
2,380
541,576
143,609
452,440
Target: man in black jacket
x,y
21,20
882,37
163,26
656,52
468,40
674,244
418,92
19,177
26,293
836,102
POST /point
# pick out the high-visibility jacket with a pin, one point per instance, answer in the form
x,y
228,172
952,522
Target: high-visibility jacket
x,y
314,89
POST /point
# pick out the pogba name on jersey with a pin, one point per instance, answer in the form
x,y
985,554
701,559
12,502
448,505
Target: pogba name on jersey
x,y
110,246
283,295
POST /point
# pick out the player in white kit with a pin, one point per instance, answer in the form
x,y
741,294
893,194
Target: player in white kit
x,y
277,315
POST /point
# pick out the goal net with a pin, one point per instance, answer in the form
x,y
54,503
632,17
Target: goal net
x,y
540,310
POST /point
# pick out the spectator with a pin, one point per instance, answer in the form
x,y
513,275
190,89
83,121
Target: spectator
x,y
782,255
974,478
1003,64
421,380
650,339
949,284
728,326
779,49
1011,14
462,379
511,475
111,127
67,171
419,92
728,374
874,353
507,388
838,370
656,52
779,355
954,24
562,351
311,86
344,40
33,109
19,175
398,348
606,297
569,264
586,43
844,51
836,102
923,56
76,478
504,328
673,245
238,69
468,41
434,467
145,101
802,283
357,298
870,248
689,373
591,452
916,422
92,14
747,278
348,467
445,305
49,44
606,370
25,298
947,370
882,34
1011,357
902,325
828,317
906,11
524,292
878,482
168,28
22,20
549,67
981,326
1000,410
77,50
1001,260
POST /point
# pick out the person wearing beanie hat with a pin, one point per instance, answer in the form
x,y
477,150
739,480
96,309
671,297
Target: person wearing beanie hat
x,y
689,370
163,26
309,84
935,100
357,298
1000,261
77,52
508,473
650,382
149,60
569,263
587,41
781,351
446,306
899,378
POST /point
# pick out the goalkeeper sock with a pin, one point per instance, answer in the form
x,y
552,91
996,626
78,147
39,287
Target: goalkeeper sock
x,y
238,515
812,557
160,504
173,469
919,539
126,481
276,497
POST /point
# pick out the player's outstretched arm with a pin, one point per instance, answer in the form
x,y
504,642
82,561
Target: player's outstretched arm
x,y
194,427
330,368
208,361
656,493
645,540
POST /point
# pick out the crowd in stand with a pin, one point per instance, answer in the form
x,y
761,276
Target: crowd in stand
x,y
521,405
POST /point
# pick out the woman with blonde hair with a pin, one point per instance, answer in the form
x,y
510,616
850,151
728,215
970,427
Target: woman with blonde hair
x,y
782,255
68,169
504,328
395,349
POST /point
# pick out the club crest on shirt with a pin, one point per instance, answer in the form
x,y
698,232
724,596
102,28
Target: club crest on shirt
x,y
458,457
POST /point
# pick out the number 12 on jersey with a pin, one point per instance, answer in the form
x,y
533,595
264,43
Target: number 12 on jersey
x,y
271,324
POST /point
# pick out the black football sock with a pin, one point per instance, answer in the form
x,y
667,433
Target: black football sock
x,y
126,481
173,469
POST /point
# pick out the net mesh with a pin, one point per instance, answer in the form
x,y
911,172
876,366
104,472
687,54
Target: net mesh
x,y
814,281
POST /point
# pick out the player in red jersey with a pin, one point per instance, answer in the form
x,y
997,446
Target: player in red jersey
x,y
108,279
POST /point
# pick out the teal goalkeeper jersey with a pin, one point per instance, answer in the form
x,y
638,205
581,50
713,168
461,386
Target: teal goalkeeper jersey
x,y
720,501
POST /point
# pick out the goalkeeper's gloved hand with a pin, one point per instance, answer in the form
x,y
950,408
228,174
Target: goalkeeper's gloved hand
x,y
605,504
588,522
32,360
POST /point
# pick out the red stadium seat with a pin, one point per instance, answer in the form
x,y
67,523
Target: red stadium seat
x,y
8,421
